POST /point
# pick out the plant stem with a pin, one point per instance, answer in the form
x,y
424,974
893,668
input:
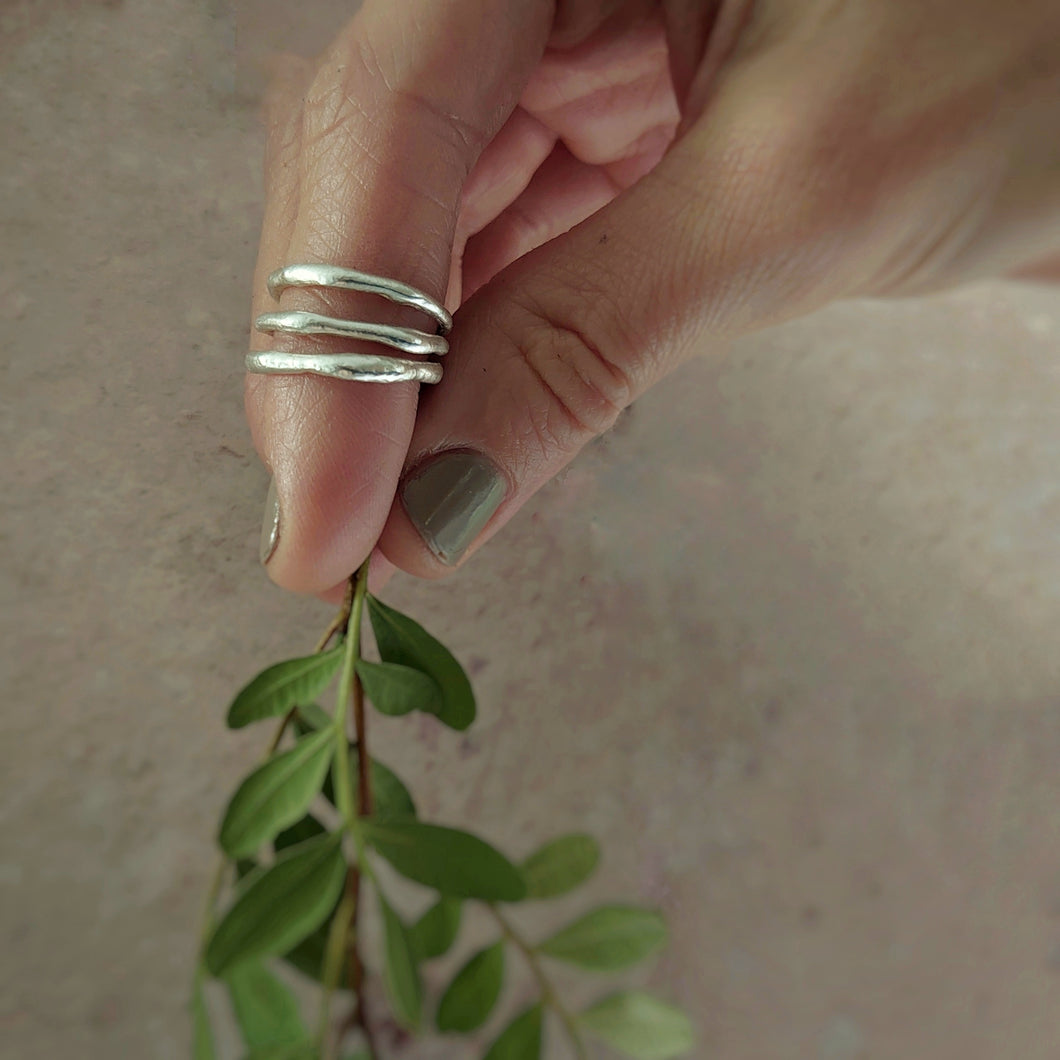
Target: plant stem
x,y
345,912
339,621
344,915
348,682
364,761
364,809
211,901
343,933
548,992
359,1016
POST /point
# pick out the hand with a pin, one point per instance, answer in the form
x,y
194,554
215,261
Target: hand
x,y
606,190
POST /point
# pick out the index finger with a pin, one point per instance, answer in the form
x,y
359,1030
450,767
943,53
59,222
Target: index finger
x,y
369,175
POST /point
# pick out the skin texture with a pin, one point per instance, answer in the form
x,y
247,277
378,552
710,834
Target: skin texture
x,y
602,191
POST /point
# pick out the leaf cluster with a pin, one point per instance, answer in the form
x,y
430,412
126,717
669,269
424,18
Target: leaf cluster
x,y
299,880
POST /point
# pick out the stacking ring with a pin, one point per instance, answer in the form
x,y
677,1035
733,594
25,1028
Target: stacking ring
x,y
360,367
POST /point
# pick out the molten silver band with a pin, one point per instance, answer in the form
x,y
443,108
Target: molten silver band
x,y
352,280
407,340
360,367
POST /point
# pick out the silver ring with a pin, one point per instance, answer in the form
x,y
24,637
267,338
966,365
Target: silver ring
x,y
352,280
407,340
359,367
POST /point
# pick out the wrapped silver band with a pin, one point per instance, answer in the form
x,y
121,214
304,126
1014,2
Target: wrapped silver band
x,y
358,367
407,340
352,280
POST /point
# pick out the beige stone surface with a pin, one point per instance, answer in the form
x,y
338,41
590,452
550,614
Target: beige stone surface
x,y
786,640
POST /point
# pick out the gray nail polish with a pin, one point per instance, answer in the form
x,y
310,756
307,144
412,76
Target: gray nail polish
x,y
450,498
270,527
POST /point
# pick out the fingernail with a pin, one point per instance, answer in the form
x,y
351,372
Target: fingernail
x,y
270,527
450,498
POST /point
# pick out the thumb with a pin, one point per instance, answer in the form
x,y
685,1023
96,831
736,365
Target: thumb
x,y
367,172
721,236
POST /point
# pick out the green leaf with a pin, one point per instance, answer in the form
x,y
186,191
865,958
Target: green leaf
x,y
308,956
311,718
266,1011
307,827
390,797
287,684
560,866
454,863
435,932
521,1039
639,1026
278,906
395,690
244,867
276,794
608,938
407,643
468,1002
401,975
202,1035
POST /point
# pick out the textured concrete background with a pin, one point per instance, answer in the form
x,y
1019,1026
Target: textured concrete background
x,y
786,640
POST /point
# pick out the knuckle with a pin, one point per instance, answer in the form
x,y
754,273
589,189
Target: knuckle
x,y
458,135
578,389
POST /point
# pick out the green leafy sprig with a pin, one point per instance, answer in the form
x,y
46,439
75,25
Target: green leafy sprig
x,y
298,884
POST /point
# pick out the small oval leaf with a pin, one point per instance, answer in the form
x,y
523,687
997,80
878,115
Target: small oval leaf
x,y
468,1002
287,684
560,866
608,938
454,863
308,956
390,797
244,867
266,1011
521,1039
276,794
304,828
640,1026
401,975
435,932
311,718
395,690
407,643
278,906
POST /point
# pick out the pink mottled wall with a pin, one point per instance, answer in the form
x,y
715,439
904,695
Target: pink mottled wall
x,y
786,640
